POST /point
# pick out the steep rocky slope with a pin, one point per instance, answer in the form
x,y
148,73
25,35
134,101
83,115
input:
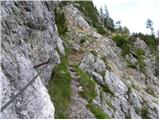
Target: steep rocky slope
x,y
93,79
121,91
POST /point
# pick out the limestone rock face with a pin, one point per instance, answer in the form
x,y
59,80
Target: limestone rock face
x,y
115,84
123,91
75,19
29,37
128,91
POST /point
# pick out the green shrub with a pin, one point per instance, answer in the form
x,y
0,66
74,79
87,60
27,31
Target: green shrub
x,y
60,21
140,58
109,103
120,40
98,112
142,65
126,49
60,90
140,52
123,42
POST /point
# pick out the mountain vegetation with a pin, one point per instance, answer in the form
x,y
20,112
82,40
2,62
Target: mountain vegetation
x,y
89,66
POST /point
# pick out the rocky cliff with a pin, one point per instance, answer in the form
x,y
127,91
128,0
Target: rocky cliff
x,y
94,78
28,38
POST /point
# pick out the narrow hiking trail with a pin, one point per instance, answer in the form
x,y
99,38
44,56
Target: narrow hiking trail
x,y
78,109
75,57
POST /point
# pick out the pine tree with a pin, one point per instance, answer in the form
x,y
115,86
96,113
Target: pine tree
x,y
149,25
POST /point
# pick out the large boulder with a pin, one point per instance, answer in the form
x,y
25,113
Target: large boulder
x,y
115,84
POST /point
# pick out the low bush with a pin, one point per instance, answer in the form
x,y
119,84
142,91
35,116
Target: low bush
x,y
120,40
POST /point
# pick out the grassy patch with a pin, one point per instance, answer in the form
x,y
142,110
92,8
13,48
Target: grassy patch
x,y
98,112
88,85
120,40
60,90
140,59
123,42
140,52
132,66
89,93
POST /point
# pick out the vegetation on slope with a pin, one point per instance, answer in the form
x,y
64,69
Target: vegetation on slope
x,y
89,93
97,111
90,11
60,19
59,86
150,40
88,85
60,89
127,47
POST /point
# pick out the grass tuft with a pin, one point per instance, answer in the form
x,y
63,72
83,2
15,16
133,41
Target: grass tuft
x,y
89,93
88,85
98,112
